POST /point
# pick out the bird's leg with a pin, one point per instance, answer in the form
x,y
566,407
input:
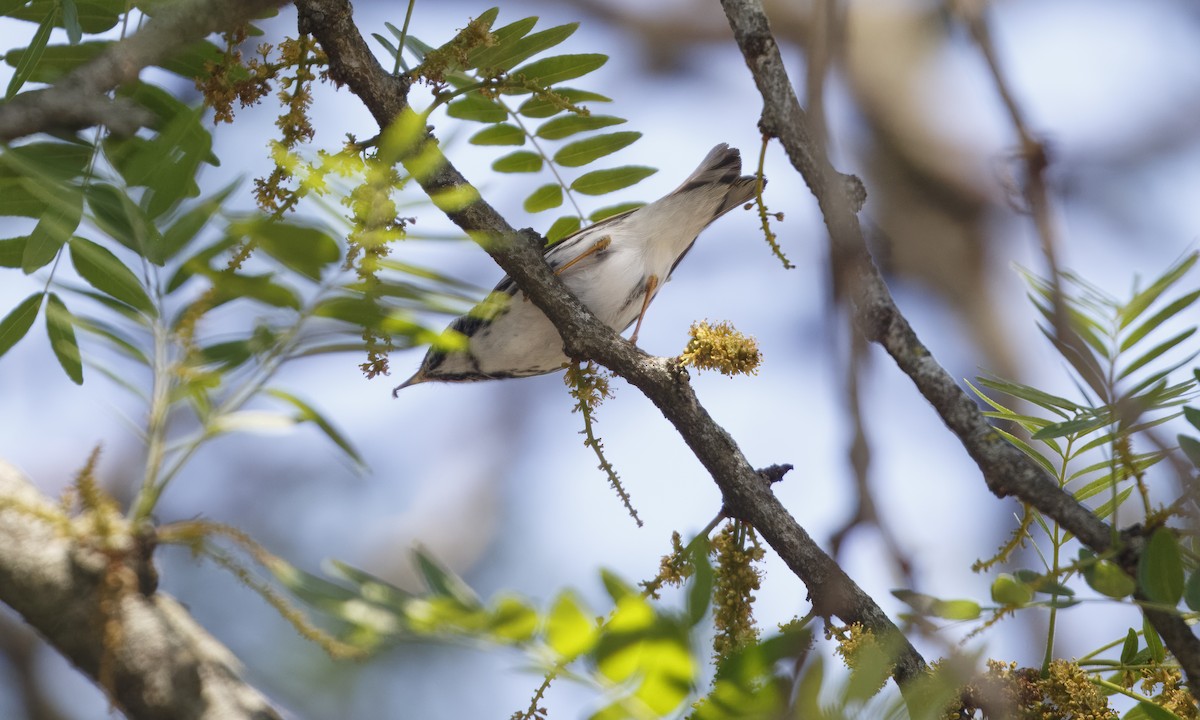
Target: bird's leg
x,y
651,284
596,247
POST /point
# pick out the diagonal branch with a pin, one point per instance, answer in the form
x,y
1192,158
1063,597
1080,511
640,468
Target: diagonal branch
x,y
747,496
1006,470
80,99
158,662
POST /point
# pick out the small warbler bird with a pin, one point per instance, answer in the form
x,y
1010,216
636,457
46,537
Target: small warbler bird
x,y
615,267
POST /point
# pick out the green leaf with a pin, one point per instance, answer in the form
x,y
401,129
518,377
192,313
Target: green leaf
x,y
582,152
478,108
599,182
307,413
513,620
1191,448
45,161
1078,427
32,55
699,594
567,125
548,103
502,134
957,609
231,286
547,71
563,227
504,56
52,231
305,249
1130,647
185,228
60,327
71,21
1159,318
1146,298
12,250
104,271
124,221
1153,641
1053,403
502,38
1154,712
570,631
1009,591
614,210
520,161
18,321
94,16
58,60
1155,352
1191,591
1108,579
1192,415
1160,569
444,583
544,198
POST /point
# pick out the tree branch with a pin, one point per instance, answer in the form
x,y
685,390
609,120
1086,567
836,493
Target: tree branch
x,y
1006,470
746,495
80,99
157,662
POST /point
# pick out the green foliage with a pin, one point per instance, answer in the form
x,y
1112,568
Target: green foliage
x,y
479,73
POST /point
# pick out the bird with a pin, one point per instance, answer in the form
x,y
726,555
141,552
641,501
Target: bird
x,y
615,267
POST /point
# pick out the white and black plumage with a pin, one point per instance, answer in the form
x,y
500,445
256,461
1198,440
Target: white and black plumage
x,y
615,267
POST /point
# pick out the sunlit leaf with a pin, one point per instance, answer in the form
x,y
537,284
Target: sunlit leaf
x,y
599,182
60,327
441,581
18,321
521,161
562,227
1008,590
570,631
260,422
544,198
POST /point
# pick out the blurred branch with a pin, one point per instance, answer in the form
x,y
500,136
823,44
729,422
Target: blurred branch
x,y
1006,470
80,99
746,494
158,663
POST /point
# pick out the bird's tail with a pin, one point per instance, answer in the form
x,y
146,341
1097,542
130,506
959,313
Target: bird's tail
x,y
722,166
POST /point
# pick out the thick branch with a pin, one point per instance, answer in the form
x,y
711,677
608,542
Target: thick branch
x,y
80,98
159,662
746,494
1006,470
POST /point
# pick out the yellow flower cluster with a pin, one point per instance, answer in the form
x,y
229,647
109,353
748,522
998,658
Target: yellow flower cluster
x,y
721,347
